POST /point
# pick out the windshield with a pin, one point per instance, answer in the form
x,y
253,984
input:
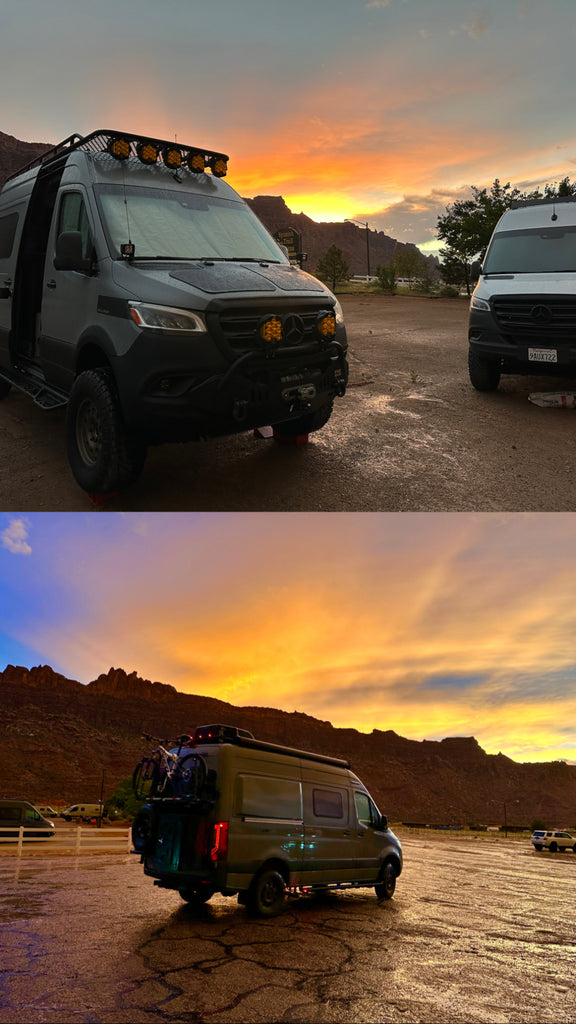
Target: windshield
x,y
532,251
169,224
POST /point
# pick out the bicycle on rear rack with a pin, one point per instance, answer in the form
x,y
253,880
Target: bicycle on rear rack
x,y
170,772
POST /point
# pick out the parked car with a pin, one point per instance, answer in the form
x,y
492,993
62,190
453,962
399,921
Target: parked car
x,y
553,840
17,813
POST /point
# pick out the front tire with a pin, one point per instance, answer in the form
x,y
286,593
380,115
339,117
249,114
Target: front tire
x,y
102,455
305,424
484,373
386,887
266,895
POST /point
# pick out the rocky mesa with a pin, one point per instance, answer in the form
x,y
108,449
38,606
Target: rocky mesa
x,y
59,736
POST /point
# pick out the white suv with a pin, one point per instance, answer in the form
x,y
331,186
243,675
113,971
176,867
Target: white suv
x,y
553,841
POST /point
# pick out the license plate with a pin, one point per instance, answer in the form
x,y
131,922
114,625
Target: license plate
x,y
542,355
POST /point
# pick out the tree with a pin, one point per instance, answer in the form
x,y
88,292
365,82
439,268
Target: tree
x,y
410,263
386,277
332,267
468,224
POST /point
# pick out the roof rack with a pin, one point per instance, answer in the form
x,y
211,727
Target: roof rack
x,y
517,204
212,734
101,140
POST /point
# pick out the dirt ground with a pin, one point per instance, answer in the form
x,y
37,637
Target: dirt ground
x,y
478,932
411,434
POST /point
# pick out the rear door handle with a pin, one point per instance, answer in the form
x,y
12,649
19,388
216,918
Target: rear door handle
x,y
50,284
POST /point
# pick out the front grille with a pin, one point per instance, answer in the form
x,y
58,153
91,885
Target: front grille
x,y
239,327
525,317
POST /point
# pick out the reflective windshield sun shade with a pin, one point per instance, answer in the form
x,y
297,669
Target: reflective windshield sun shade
x,y
174,224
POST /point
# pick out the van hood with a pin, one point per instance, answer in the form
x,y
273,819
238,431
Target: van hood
x,y
154,282
526,284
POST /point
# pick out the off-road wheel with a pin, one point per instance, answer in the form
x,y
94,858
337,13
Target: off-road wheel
x,y
197,897
538,846
142,830
484,373
305,424
102,455
5,386
266,895
386,885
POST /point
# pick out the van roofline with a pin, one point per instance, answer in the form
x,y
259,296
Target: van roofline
x,y
226,734
518,204
98,142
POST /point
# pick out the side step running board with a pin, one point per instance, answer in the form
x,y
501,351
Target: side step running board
x,y
43,394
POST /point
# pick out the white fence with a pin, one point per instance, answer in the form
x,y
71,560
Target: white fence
x,y
78,839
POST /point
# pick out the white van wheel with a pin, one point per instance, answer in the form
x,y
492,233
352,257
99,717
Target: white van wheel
x,y
102,456
266,895
386,886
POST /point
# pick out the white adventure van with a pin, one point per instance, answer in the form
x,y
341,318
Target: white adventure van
x,y
523,309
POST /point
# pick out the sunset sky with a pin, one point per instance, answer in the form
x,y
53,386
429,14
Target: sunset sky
x,y
379,110
430,624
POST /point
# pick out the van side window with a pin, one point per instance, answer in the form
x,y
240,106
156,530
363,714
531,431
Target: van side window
x,y
327,803
31,815
73,217
260,797
10,813
365,810
8,226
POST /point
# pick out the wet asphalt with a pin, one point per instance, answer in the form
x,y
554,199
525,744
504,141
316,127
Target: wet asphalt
x,y
480,930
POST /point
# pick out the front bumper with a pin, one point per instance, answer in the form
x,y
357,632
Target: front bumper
x,y
187,389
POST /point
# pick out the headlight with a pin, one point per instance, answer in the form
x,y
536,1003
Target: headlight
x,y
165,318
338,314
476,303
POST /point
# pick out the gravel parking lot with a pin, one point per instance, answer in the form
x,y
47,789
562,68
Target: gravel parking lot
x,y
411,434
481,931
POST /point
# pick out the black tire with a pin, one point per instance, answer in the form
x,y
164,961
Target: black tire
x,y
190,776
553,847
266,896
102,455
538,846
142,830
197,897
484,373
305,424
386,885
145,779
5,387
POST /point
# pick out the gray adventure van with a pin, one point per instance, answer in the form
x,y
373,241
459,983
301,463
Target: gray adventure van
x,y
15,814
141,291
523,309
254,819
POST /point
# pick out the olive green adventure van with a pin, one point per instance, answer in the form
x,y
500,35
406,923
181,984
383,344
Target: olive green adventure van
x,y
15,814
141,292
254,820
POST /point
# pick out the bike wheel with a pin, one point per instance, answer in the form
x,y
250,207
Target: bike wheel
x,y
190,775
145,779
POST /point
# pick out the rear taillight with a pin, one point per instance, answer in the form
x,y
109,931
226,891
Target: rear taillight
x,y
219,849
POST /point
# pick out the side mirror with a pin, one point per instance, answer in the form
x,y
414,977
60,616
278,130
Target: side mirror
x,y
69,254
383,822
